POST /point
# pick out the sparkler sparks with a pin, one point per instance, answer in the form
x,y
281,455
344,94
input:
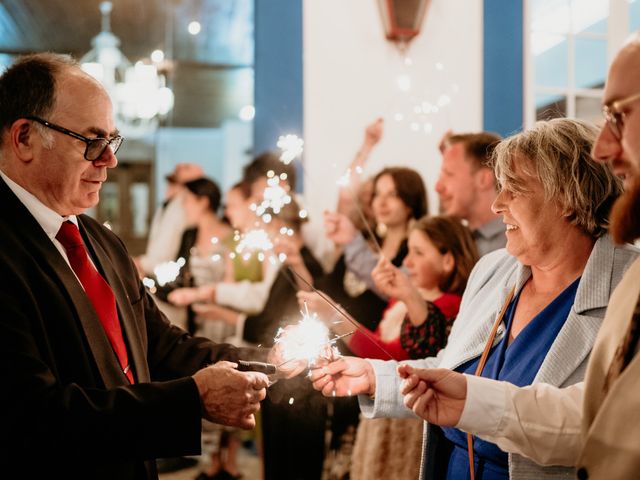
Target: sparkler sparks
x,y
308,340
167,272
291,146
274,198
254,241
150,284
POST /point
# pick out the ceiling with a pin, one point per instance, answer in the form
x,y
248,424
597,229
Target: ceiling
x,y
212,74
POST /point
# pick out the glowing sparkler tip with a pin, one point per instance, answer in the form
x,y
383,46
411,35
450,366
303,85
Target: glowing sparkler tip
x,y
291,401
291,146
168,272
307,340
254,241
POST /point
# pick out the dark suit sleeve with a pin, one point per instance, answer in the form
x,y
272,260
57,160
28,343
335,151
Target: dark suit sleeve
x,y
54,404
44,414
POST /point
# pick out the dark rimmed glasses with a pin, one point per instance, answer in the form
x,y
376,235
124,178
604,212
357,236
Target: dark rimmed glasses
x,y
95,146
614,114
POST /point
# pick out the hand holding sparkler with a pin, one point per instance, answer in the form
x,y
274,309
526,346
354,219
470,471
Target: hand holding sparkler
x,y
373,132
339,228
345,376
302,344
437,395
230,397
390,280
188,295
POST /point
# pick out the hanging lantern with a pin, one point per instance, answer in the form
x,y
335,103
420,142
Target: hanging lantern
x,y
402,19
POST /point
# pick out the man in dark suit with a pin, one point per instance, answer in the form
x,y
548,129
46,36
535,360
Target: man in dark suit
x,y
96,383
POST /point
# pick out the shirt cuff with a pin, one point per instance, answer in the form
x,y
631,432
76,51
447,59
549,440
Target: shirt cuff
x,y
484,407
386,395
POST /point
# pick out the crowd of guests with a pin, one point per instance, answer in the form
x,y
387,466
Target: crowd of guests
x,y
464,336
427,290
408,285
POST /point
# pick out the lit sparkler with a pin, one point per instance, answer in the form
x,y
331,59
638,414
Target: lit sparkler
x,y
274,198
291,146
307,340
254,241
168,272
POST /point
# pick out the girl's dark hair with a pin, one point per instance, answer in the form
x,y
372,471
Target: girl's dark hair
x,y
410,189
204,187
448,234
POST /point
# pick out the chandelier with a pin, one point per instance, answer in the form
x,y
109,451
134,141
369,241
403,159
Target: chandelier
x,y
139,93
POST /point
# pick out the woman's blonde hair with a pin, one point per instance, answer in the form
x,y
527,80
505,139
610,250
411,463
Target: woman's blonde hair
x,y
558,153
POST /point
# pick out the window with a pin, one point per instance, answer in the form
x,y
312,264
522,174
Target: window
x,y
569,45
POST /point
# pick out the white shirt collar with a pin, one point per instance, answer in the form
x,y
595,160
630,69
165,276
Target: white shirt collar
x,y
49,220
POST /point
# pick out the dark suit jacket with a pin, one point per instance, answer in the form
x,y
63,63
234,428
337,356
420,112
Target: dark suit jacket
x,y
66,407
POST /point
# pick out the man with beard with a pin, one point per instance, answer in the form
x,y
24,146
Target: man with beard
x,y
594,425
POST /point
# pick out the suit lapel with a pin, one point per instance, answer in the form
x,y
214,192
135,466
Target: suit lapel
x,y
38,244
125,312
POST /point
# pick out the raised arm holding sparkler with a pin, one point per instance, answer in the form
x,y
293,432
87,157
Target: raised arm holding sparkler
x,y
350,182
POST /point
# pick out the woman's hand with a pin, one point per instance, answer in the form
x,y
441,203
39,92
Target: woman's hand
x,y
183,296
390,280
339,229
186,296
213,311
345,376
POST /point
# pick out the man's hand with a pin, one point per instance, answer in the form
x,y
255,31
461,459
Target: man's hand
x,y
340,230
230,397
436,394
344,377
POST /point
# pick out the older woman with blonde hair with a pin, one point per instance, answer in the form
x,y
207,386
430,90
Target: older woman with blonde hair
x,y
531,312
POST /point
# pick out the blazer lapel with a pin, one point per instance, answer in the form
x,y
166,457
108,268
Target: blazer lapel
x,y
38,244
578,334
125,312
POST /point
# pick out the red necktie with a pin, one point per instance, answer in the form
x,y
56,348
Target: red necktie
x,y
97,289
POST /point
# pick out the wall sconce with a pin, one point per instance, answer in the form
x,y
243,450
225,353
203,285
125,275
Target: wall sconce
x,y
402,19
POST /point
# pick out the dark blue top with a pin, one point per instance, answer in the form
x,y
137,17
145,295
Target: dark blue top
x,y
517,363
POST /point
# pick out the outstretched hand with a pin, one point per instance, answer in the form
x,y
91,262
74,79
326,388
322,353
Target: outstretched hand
x,y
437,395
345,376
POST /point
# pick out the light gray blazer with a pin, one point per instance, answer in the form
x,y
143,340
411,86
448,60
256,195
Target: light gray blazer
x,y
486,292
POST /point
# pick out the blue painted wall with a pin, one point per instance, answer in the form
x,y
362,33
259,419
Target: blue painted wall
x,y
278,71
503,76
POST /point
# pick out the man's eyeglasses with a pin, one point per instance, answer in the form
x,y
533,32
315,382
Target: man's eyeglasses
x,y
95,146
614,114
